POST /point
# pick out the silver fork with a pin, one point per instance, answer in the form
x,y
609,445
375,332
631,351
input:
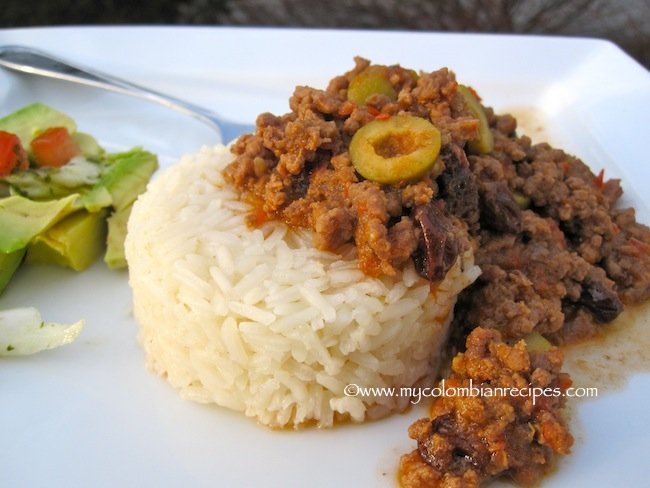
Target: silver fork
x,y
35,62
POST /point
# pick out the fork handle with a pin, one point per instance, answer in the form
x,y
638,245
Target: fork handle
x,y
33,61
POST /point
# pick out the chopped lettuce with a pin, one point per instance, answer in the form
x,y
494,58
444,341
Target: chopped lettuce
x,y
23,331
35,185
79,172
77,176
88,146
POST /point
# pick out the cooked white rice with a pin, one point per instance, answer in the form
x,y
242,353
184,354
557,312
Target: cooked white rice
x,y
259,321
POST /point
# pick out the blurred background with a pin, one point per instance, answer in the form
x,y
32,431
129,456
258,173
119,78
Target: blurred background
x,y
625,22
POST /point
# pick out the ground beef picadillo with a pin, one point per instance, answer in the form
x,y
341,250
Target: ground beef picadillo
x,y
573,260
298,169
469,439
558,258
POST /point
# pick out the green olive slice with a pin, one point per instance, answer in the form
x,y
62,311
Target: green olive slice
x,y
372,80
400,148
522,200
485,142
536,342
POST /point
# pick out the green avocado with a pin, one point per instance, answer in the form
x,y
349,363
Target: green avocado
x,y
22,219
9,263
75,242
114,257
128,175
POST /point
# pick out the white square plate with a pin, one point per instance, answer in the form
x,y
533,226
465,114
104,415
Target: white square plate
x,y
89,414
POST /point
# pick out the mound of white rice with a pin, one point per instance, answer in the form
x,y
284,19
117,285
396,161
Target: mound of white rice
x,y
259,321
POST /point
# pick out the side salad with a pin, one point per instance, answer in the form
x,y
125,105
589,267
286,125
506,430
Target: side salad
x,y
64,201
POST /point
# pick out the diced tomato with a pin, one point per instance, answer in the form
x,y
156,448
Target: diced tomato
x,y
599,181
376,113
257,217
372,110
54,147
12,154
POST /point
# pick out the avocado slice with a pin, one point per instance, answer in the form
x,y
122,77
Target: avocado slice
x,y
127,176
32,119
75,242
22,219
9,263
96,199
114,257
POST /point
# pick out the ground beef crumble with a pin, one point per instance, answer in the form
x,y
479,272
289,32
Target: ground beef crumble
x,y
575,258
298,168
558,257
470,439
529,277
563,188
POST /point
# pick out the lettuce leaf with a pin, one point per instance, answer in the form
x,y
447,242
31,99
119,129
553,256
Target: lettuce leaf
x,y
23,331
